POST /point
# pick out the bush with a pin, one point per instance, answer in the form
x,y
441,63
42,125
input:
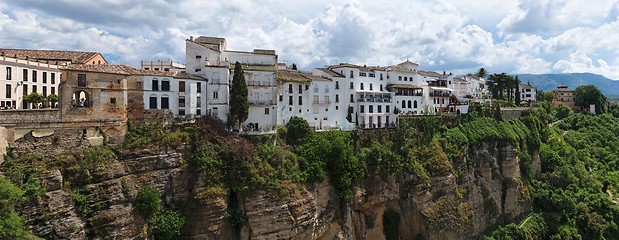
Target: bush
x,y
297,130
11,224
147,201
166,225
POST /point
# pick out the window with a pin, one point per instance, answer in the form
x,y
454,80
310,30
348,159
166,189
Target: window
x,y
289,100
362,74
381,76
25,90
53,77
381,87
146,68
34,88
53,90
8,91
45,91
99,62
113,100
337,98
300,100
198,70
403,104
181,112
165,103
387,109
165,85
25,75
337,85
198,56
181,86
181,102
8,73
352,98
166,69
215,95
352,85
315,100
81,79
372,75
315,88
380,109
34,75
351,74
44,77
371,87
281,98
371,109
198,102
289,88
306,87
155,85
199,112
362,108
300,88
415,104
361,86
327,101
199,86
409,104
266,111
152,103
399,78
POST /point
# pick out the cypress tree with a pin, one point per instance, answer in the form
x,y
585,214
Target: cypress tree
x,y
517,94
239,106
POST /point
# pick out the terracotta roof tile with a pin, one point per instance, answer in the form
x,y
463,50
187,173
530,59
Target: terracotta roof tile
x,y
331,72
128,70
75,57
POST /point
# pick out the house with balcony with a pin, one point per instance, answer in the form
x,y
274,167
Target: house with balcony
x,y
404,81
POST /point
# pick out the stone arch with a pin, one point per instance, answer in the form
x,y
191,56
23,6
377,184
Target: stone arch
x,y
410,104
415,104
81,98
403,104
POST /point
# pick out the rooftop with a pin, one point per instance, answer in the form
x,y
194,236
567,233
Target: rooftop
x,y
247,67
297,76
75,57
128,70
331,72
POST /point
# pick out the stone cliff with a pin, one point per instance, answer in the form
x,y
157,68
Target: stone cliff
x,y
488,190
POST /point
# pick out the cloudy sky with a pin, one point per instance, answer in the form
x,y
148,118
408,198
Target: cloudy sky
x,y
514,36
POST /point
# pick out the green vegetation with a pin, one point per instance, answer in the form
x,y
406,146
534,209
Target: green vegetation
x,y
11,224
586,95
391,225
575,195
147,202
239,105
166,225
154,136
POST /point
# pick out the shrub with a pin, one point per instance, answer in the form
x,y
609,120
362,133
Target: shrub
x,y
297,130
147,201
166,225
11,224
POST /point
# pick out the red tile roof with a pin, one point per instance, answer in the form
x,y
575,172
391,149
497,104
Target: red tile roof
x,y
75,57
128,70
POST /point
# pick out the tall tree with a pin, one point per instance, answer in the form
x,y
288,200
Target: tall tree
x,y
498,84
589,94
517,97
239,105
481,73
294,66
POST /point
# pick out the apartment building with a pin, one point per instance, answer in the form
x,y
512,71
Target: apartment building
x,y
24,71
164,66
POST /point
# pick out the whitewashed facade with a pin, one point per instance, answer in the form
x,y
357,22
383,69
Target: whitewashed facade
x,y
181,93
20,77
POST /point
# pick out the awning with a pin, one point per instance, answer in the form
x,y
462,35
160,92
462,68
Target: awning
x,y
441,88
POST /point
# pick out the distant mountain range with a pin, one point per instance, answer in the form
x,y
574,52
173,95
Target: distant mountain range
x,y
547,82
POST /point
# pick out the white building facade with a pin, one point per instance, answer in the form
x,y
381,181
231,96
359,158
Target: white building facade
x,y
21,77
182,93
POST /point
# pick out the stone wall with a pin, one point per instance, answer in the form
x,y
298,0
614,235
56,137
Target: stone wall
x,y
29,116
54,141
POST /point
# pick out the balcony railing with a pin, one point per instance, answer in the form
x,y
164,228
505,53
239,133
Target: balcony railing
x,y
260,84
261,102
374,99
323,102
440,94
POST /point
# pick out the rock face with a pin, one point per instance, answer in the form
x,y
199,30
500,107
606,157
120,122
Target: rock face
x,y
483,192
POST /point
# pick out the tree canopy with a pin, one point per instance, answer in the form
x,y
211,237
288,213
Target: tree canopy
x,y
589,94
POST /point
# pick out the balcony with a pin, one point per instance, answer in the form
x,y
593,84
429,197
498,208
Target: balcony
x,y
440,94
261,102
260,84
323,102
374,99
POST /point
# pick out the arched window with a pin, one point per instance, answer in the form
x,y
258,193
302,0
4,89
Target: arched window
x,y
415,104
403,104
409,104
405,78
399,78
80,99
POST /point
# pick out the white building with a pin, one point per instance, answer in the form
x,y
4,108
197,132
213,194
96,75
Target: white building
x,y
180,92
23,72
165,66
405,82
209,58
527,93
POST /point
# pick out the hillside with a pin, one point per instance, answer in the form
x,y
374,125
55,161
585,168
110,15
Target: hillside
x,y
551,81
